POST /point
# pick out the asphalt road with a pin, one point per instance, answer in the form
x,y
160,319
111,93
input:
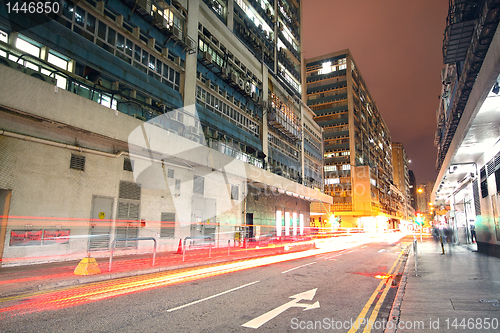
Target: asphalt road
x,y
326,292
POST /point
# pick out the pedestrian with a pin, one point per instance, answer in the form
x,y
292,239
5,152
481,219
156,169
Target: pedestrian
x,y
435,233
473,233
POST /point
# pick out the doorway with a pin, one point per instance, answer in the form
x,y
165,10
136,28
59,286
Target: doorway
x,y
100,223
249,222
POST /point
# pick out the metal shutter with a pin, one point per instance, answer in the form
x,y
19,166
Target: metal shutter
x,y
167,229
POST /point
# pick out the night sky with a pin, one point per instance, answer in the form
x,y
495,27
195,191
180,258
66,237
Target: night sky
x,y
397,46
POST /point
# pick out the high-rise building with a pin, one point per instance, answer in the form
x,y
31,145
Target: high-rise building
x,y
153,118
401,175
413,189
424,192
468,159
357,143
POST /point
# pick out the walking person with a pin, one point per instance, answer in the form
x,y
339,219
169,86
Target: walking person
x,y
473,237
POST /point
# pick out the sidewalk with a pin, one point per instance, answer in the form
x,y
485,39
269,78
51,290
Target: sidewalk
x,y
32,278
457,291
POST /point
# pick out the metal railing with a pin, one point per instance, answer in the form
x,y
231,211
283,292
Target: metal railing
x,y
113,243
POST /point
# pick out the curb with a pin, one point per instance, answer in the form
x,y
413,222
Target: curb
x,y
398,300
72,282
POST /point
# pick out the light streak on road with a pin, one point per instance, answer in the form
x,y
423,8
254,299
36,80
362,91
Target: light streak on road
x,y
99,291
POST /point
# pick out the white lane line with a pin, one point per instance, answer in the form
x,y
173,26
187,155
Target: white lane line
x,y
213,296
298,267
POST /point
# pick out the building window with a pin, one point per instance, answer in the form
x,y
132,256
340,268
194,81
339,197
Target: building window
x,y
234,192
27,47
346,167
170,173
104,36
127,164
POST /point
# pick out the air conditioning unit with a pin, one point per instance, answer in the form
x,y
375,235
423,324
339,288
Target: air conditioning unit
x,y
234,78
241,83
207,57
248,88
176,32
144,4
207,83
225,72
158,19
193,130
254,96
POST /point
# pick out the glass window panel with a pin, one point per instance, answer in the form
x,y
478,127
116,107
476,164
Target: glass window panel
x,y
137,53
101,31
61,81
165,70
129,47
112,36
120,43
59,62
79,16
158,66
90,23
177,78
152,63
27,47
145,58
68,9
171,74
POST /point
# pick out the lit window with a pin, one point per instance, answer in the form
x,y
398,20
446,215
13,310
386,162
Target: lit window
x,y
57,61
346,167
27,47
326,67
329,181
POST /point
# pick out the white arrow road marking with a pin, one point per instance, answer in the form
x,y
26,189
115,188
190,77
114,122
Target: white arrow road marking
x,y
213,296
262,319
298,267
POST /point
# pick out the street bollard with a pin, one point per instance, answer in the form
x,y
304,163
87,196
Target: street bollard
x,y
442,246
415,253
228,246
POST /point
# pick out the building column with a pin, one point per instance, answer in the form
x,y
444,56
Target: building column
x,y
191,59
230,14
265,97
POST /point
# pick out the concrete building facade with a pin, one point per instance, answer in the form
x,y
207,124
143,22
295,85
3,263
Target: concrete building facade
x,y
163,119
402,177
357,142
467,135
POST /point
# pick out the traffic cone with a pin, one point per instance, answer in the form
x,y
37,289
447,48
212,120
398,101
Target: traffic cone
x,y
179,248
